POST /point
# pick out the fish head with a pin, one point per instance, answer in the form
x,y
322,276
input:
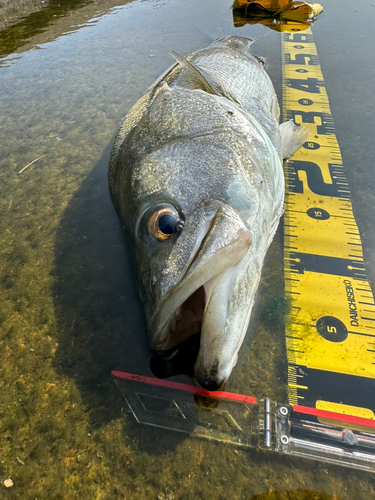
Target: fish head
x,y
188,185
187,210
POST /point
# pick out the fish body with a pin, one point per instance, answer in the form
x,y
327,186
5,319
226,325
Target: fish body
x,y
196,178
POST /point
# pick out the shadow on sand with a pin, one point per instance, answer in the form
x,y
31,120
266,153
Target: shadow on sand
x,y
99,318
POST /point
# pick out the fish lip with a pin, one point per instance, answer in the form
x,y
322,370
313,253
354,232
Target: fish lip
x,y
237,249
196,250
209,382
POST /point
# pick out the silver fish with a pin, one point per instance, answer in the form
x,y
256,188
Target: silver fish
x,y
196,178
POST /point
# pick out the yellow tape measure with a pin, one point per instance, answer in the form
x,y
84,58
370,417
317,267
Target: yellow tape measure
x,y
330,337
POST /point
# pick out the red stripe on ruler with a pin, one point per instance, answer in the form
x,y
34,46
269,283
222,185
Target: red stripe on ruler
x,y
184,387
242,398
331,415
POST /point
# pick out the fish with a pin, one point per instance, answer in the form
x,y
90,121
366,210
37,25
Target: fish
x,y
196,178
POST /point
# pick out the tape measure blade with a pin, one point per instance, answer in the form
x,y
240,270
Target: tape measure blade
x,y
331,329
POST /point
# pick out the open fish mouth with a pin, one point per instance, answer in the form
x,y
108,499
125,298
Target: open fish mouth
x,y
187,319
200,301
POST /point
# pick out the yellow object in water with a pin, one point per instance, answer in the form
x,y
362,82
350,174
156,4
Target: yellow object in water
x,y
277,13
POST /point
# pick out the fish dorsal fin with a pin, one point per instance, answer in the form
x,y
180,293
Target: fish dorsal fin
x,y
199,78
196,76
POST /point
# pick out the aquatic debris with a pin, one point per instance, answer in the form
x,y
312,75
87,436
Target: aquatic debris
x,y
167,495
29,164
295,10
8,483
279,15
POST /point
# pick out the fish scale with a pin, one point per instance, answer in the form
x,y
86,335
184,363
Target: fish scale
x,y
241,75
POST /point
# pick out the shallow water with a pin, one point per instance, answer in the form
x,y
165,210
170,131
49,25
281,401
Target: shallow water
x,y
69,313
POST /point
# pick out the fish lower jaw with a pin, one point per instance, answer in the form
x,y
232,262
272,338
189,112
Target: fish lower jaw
x,y
213,377
209,382
206,312
206,307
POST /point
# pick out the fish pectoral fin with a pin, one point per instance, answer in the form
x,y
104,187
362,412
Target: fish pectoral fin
x,y
196,76
292,137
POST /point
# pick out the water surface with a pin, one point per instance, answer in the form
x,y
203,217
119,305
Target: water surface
x,y
69,313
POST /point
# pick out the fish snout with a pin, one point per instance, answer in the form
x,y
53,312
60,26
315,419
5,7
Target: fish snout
x,y
210,381
209,376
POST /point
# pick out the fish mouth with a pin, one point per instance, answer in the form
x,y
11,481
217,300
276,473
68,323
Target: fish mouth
x,y
199,301
187,319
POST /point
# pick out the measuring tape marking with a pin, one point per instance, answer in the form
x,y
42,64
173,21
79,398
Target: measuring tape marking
x,y
324,266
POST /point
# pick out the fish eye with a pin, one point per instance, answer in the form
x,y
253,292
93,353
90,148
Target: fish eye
x,y
164,223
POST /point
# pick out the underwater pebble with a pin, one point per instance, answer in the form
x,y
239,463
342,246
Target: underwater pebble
x,y
167,495
8,483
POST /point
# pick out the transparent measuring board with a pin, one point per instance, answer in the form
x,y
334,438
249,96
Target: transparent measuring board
x,y
244,421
